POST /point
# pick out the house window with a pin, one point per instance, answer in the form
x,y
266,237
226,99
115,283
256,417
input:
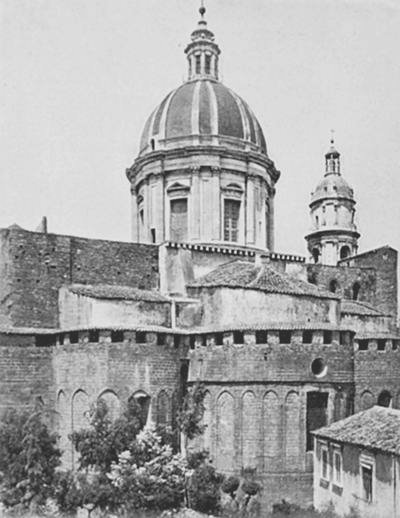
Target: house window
x,y
324,463
327,337
179,220
366,481
208,64
363,345
153,235
231,220
337,468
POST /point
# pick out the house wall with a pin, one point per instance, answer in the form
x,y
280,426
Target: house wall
x,y
82,311
364,324
182,264
349,494
223,306
34,265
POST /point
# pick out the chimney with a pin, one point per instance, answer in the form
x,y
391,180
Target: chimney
x,y
42,226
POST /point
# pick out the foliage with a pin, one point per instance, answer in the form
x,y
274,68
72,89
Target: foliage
x,y
100,445
250,488
230,485
150,475
192,411
28,459
204,488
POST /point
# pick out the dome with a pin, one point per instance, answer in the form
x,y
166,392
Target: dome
x,y
332,186
202,112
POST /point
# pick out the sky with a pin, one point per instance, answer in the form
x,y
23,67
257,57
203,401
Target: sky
x,y
79,78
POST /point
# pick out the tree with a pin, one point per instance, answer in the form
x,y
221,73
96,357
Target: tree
x,y
204,485
28,459
99,446
191,414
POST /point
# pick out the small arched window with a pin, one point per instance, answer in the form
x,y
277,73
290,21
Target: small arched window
x,y
356,290
333,286
385,398
152,144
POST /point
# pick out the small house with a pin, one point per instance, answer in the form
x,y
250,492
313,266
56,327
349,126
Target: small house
x,y
357,464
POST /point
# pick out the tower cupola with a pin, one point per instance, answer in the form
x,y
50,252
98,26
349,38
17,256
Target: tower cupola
x,y
202,52
333,234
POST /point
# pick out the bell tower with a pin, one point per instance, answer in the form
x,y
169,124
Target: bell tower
x,y
333,235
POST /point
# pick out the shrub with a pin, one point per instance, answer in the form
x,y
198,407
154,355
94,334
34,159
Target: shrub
x,y
250,488
151,476
28,459
204,489
230,485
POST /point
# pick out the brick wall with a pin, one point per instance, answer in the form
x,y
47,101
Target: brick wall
x,y
116,372
26,374
345,278
34,265
374,372
384,261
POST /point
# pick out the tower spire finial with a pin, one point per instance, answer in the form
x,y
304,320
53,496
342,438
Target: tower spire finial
x,y
202,9
332,136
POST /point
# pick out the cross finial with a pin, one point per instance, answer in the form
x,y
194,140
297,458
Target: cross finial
x,y
202,9
332,136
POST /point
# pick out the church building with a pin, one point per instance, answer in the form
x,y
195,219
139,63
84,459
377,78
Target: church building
x,y
283,344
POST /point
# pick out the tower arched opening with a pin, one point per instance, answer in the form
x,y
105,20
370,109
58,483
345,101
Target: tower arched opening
x,y
356,290
344,252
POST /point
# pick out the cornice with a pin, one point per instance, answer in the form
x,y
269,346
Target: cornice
x,y
188,151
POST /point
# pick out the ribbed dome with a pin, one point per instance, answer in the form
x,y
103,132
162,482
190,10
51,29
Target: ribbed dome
x,y
332,186
202,111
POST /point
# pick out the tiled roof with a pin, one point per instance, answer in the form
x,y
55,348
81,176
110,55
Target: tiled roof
x,y
354,307
108,291
244,274
376,428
